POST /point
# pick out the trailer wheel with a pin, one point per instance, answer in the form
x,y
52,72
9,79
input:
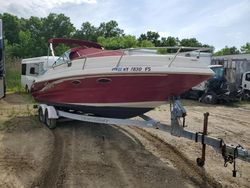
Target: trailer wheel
x,y
41,115
200,162
27,89
51,123
209,98
246,96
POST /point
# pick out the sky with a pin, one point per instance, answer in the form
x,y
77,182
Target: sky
x,y
214,22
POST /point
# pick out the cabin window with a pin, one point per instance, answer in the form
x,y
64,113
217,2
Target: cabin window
x,y
248,77
23,69
32,70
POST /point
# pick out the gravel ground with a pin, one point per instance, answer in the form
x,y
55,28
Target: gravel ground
x,y
78,154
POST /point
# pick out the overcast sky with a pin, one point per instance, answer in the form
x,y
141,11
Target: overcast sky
x,y
214,22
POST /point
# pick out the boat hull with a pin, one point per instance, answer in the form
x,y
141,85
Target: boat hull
x,y
120,95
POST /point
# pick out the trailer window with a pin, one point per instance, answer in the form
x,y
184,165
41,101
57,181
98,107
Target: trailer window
x,y
23,69
248,77
32,70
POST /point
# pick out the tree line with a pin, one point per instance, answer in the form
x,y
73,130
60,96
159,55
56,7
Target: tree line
x,y
28,37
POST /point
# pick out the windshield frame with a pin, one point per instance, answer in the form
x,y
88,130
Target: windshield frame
x,y
63,59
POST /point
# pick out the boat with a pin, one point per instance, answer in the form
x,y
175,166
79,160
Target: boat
x,y
115,83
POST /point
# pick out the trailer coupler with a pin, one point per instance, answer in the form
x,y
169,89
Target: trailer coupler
x,y
230,155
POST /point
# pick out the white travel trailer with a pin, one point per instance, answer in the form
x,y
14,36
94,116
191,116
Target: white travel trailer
x,y
33,67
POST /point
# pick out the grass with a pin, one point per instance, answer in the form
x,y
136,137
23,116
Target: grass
x,y
13,75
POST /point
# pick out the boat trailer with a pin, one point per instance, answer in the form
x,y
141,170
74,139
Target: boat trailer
x,y
49,115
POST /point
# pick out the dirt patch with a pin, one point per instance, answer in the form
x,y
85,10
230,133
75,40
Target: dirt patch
x,y
229,123
94,155
24,150
25,144
167,152
78,154
15,99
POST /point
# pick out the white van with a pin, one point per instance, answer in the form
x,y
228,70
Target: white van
x,y
33,67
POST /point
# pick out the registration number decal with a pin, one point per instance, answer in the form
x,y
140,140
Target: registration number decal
x,y
131,69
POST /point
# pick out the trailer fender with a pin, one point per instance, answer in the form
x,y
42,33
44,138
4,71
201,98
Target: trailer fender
x,y
52,113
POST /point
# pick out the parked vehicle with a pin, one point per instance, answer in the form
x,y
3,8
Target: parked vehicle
x,y
228,84
32,68
219,89
246,86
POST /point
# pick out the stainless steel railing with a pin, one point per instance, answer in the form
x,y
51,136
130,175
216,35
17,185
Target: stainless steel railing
x,y
145,51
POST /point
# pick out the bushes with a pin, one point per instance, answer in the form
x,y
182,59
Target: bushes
x,y
13,74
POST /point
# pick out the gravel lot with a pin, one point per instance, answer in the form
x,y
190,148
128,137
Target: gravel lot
x,y
78,154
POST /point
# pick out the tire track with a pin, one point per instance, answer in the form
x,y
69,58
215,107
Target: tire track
x,y
92,155
54,174
188,168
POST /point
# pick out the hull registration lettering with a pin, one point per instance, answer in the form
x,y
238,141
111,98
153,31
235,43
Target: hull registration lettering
x,y
131,69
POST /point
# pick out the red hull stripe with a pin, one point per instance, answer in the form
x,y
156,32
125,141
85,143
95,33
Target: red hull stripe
x,y
115,88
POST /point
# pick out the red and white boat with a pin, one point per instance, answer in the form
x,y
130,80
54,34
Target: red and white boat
x,y
119,84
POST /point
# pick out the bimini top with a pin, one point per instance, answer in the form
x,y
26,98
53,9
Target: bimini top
x,y
81,43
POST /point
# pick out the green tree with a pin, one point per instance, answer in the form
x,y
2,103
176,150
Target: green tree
x,y
57,25
128,41
121,42
152,37
35,26
227,51
28,37
192,42
145,43
245,48
87,32
12,26
170,41
24,47
110,29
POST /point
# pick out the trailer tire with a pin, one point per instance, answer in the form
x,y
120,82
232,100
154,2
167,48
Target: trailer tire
x,y
41,116
27,89
209,98
246,96
200,162
51,123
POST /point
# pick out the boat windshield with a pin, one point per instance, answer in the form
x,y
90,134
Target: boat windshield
x,y
62,60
